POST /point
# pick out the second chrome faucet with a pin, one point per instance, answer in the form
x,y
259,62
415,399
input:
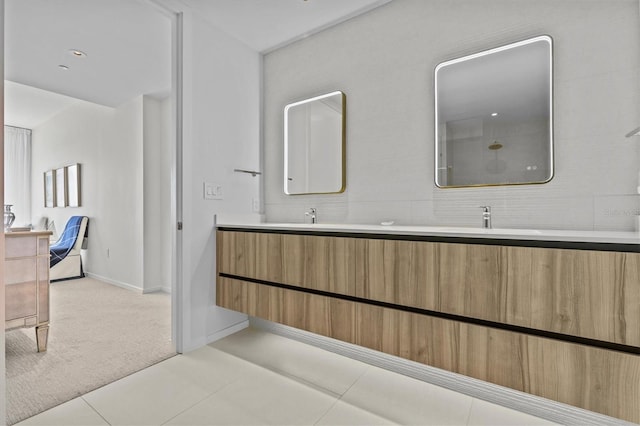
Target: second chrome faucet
x,y
312,213
486,217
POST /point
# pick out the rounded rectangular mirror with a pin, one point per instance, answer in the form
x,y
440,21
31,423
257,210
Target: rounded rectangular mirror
x,y
493,116
314,145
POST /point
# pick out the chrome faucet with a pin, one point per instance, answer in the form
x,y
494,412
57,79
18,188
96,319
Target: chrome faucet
x,y
486,217
312,213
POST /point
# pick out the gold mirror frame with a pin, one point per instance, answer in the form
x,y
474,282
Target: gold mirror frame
x,y
315,145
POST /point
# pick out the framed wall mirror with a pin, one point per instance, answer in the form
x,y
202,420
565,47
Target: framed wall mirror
x,y
314,145
494,116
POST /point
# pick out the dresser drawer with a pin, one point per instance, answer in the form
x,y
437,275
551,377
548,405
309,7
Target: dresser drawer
x,y
20,300
20,247
19,271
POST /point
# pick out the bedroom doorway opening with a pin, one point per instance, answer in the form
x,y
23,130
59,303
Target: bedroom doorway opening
x,y
113,181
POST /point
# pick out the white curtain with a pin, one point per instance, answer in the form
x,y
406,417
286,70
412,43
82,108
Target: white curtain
x,y
17,173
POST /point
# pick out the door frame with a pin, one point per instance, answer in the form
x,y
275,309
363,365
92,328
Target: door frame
x,y
178,308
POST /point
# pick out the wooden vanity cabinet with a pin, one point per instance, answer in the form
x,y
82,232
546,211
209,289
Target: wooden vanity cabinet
x,y
26,277
561,323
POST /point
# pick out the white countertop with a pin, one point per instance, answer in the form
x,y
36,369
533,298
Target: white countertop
x,y
613,237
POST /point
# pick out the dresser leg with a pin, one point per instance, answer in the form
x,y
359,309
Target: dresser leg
x,y
42,335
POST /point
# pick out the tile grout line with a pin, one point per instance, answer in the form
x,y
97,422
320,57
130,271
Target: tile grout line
x,y
303,381
94,409
210,394
308,383
323,415
294,377
339,398
368,368
187,409
470,408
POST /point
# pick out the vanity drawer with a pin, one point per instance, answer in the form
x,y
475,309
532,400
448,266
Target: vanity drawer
x,y
586,294
593,378
321,263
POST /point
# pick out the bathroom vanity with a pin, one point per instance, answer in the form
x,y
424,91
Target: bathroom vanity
x,y
26,276
554,314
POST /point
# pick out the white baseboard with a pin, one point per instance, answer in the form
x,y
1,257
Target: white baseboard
x,y
227,331
537,406
114,282
198,343
156,289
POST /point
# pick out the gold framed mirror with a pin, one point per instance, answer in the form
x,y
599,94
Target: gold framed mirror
x,y
314,145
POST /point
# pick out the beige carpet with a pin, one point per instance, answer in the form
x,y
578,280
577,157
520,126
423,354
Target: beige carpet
x,y
99,333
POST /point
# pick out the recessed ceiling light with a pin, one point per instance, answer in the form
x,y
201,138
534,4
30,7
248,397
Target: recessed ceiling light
x,y
77,53
63,67
494,114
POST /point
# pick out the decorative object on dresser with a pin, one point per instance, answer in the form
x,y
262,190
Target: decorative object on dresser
x,y
9,217
66,262
26,276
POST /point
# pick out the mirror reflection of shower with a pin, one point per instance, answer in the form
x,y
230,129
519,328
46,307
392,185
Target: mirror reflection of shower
x,y
496,165
502,99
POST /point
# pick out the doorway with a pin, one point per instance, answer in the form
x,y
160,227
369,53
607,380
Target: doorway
x,y
173,167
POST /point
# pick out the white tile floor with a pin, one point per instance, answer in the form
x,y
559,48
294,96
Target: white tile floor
x,y
257,378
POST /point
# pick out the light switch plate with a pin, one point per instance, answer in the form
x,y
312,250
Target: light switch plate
x,y
212,191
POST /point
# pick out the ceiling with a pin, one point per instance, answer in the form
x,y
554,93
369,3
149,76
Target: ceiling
x,y
27,107
128,45
265,25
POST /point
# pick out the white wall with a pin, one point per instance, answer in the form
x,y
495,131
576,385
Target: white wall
x,y
221,132
108,143
166,225
157,192
384,62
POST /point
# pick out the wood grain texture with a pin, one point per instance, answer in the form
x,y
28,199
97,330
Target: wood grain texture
x,y
322,263
382,264
322,315
596,379
591,294
584,293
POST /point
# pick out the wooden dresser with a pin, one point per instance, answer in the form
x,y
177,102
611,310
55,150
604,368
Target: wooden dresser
x,y
26,278
555,319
